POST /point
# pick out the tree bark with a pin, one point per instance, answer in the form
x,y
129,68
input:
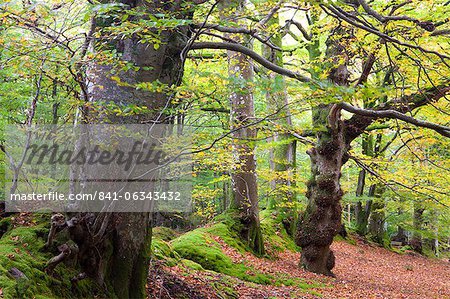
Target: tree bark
x,y
321,220
243,176
416,240
283,155
377,216
362,214
118,256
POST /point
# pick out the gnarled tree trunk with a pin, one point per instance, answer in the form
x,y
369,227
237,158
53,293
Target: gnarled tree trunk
x,y
322,219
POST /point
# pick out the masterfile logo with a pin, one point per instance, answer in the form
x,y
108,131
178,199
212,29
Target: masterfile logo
x,y
97,168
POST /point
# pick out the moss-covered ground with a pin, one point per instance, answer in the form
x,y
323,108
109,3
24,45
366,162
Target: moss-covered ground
x,y
22,247
202,249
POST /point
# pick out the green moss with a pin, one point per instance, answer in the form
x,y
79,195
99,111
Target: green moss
x,y
161,249
191,264
200,251
275,234
22,248
350,240
199,246
299,283
225,288
164,233
230,237
5,225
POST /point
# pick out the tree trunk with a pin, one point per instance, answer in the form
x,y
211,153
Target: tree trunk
x,y
362,213
416,240
118,257
321,220
376,223
243,177
283,155
362,217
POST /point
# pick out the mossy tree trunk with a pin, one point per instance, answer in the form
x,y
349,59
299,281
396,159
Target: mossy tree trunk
x,y
118,256
377,216
373,216
243,175
362,213
362,217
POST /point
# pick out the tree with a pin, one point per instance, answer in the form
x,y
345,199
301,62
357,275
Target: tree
x,y
124,238
243,176
114,248
283,155
328,156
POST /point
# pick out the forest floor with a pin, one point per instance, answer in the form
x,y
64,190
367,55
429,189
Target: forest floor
x,y
178,269
362,271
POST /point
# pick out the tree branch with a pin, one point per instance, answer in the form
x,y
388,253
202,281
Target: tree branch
x,y
299,26
381,18
239,30
342,15
271,13
441,32
443,130
367,67
356,125
255,56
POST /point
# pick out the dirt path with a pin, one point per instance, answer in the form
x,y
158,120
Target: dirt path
x,y
362,271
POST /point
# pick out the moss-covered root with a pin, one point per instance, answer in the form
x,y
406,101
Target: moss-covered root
x,y
255,239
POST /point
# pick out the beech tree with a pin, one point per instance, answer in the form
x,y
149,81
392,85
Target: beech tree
x,y
243,174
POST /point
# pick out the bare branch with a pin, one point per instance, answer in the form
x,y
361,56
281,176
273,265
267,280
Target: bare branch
x,y
367,67
441,32
356,125
255,56
240,30
299,26
342,15
443,130
381,18
271,13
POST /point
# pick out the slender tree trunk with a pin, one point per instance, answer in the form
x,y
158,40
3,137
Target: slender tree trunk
x,y
362,213
377,214
416,240
376,221
244,180
282,160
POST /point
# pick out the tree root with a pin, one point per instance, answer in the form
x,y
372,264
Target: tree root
x,y
58,222
67,250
